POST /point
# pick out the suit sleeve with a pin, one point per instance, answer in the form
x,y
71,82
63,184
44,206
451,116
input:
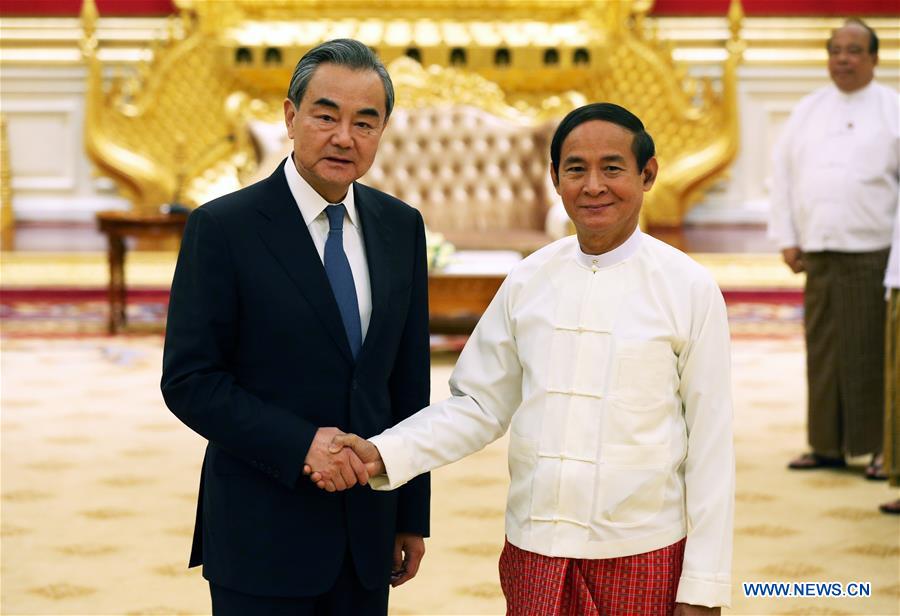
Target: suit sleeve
x,y
410,387
201,342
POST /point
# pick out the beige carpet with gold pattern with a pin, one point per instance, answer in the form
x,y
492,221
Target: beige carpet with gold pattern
x,y
99,484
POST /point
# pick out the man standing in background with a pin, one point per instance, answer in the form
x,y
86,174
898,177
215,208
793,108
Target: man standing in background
x,y
834,199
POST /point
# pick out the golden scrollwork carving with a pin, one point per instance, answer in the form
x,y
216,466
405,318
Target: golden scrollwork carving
x,y
7,218
222,64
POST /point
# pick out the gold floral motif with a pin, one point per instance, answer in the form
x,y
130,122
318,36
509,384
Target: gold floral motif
x,y
766,530
50,465
25,496
61,591
107,513
127,481
87,550
855,514
10,530
879,550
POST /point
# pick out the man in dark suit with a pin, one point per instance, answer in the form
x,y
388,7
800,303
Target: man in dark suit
x,y
299,310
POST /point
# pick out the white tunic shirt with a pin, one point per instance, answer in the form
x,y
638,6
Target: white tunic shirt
x,y
613,372
835,171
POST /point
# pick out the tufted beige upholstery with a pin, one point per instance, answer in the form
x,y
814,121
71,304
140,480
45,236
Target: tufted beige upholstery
x,y
480,180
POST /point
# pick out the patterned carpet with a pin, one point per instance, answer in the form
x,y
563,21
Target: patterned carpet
x,y
66,312
99,480
99,483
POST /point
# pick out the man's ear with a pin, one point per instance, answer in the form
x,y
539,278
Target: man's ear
x,y
648,175
554,177
289,113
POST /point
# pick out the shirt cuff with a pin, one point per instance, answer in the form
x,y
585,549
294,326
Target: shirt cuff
x,y
396,463
708,592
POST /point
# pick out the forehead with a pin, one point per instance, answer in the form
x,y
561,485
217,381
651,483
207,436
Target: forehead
x,y
851,34
348,87
598,139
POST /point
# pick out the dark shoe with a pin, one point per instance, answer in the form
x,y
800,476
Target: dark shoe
x,y
892,507
812,460
875,469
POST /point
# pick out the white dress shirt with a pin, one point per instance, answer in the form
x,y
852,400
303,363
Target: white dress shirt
x,y
612,373
312,207
836,169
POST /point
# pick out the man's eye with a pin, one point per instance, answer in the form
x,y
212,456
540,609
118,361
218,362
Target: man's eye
x,y
574,169
325,117
364,125
612,169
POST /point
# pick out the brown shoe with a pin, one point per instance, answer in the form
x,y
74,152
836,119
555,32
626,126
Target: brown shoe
x,y
812,460
892,508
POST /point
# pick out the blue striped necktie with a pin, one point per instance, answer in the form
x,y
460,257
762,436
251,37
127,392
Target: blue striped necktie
x,y
337,267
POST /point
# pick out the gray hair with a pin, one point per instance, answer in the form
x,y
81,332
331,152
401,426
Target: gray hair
x,y
343,52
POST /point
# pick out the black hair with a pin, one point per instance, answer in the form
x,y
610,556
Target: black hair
x,y
855,21
642,144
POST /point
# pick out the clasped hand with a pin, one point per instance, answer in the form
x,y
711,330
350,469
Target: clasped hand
x,y
331,467
338,461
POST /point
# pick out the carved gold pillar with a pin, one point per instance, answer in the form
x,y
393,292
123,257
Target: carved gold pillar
x,y
7,219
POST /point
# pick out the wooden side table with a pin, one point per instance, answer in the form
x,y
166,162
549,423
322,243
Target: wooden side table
x,y
117,225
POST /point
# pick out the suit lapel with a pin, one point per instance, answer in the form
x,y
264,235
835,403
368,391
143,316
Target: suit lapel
x,y
377,238
285,234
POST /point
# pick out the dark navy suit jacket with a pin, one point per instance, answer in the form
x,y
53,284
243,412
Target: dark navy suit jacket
x,y
256,359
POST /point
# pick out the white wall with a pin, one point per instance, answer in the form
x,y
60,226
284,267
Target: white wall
x,y
52,178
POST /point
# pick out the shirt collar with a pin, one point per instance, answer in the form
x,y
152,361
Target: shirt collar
x,y
310,202
614,256
856,94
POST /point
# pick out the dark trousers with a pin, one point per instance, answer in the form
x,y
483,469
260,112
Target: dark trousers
x,y
844,317
346,598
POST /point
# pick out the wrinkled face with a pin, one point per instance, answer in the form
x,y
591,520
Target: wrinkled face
x,y
850,64
600,184
336,128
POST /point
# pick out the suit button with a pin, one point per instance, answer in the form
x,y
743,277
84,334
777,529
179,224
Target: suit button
x,y
354,385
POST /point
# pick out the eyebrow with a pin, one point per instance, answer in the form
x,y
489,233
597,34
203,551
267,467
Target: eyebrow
x,y
607,159
327,102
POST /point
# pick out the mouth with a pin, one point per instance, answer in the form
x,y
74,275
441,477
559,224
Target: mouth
x,y
595,206
336,160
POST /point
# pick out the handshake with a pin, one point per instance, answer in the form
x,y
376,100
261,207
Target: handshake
x,y
337,461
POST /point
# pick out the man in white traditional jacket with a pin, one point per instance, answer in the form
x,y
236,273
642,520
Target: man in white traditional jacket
x,y
607,357
835,175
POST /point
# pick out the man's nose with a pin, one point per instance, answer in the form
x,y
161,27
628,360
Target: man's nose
x,y
341,136
594,184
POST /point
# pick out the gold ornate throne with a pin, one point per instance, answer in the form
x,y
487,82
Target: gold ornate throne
x,y
178,128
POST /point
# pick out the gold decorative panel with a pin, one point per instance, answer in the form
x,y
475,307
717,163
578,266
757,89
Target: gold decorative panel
x,y
176,127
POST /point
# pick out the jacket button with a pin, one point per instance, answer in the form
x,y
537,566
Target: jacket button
x,y
354,385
